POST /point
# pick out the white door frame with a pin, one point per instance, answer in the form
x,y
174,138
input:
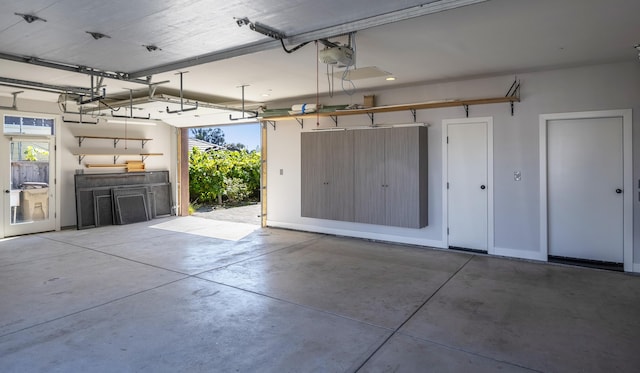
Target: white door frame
x,y
627,175
490,188
4,168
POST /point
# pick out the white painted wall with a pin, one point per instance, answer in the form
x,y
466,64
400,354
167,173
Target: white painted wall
x,y
516,148
164,141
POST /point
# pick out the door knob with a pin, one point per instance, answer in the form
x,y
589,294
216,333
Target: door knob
x,y
482,187
618,190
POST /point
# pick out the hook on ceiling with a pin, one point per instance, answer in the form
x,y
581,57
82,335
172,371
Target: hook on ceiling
x,y
98,35
30,18
152,48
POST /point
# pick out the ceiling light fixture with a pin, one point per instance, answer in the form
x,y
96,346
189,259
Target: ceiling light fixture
x,y
391,78
30,18
97,35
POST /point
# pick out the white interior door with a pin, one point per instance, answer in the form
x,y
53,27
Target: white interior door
x,y
467,183
585,188
29,190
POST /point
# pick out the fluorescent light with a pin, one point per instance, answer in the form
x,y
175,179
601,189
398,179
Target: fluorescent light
x,y
391,78
127,121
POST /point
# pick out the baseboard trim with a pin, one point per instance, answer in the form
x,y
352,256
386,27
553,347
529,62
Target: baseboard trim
x,y
520,254
359,234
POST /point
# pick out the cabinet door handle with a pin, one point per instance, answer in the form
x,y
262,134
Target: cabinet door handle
x,y
619,191
483,187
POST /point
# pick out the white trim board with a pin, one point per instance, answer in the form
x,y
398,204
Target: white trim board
x,y
445,191
521,254
358,234
627,124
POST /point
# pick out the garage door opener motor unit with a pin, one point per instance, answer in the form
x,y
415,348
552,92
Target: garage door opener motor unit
x,y
341,56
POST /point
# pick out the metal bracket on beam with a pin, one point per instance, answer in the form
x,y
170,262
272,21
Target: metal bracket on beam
x,y
132,117
115,158
272,123
182,109
300,122
466,110
514,92
115,142
78,122
335,119
94,89
14,106
154,86
254,114
371,117
93,98
413,112
80,158
73,68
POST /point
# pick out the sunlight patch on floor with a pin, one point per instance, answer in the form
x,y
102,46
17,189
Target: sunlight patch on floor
x,y
223,230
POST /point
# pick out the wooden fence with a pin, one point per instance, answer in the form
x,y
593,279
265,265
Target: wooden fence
x,y
28,171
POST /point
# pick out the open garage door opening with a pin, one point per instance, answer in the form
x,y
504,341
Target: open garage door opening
x,y
225,172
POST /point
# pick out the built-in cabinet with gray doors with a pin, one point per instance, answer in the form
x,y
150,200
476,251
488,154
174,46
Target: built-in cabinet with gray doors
x,y
384,171
327,175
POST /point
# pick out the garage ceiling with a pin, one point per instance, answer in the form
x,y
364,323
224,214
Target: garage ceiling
x,y
416,41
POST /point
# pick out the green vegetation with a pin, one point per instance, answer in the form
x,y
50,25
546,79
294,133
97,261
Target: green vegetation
x,y
223,176
34,154
193,207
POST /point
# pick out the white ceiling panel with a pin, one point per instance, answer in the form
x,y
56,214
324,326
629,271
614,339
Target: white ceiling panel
x,y
180,29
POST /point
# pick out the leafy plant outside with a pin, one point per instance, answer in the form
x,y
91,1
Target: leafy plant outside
x,y
32,153
223,175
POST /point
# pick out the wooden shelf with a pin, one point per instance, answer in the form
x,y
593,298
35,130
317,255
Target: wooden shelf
x,y
117,153
115,139
105,165
115,156
131,166
120,154
393,108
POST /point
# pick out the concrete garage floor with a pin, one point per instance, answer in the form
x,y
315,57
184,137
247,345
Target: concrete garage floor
x,y
191,294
